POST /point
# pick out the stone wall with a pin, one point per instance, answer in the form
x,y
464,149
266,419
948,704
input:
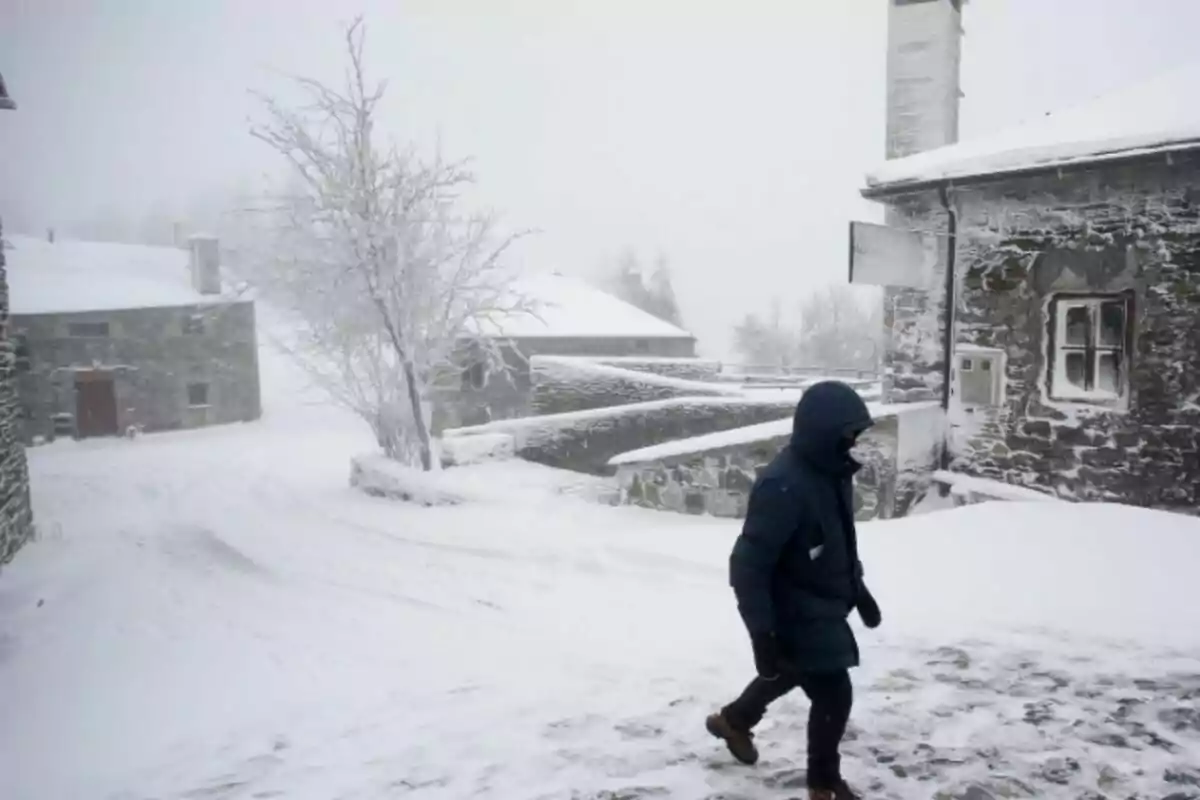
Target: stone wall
x,y
1132,227
717,480
152,356
584,441
508,394
16,516
686,368
563,384
914,318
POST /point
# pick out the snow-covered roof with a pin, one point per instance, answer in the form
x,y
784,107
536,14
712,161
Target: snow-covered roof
x,y
568,307
1154,116
73,276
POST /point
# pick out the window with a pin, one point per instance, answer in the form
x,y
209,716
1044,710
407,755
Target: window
x,y
1091,343
968,365
193,325
475,376
197,395
88,330
21,358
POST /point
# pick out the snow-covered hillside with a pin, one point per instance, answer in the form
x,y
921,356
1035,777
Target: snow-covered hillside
x,y
218,615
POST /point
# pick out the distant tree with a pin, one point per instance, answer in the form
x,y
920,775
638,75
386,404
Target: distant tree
x,y
832,328
652,291
371,252
767,341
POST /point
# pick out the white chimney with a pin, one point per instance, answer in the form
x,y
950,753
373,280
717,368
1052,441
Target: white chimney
x,y
923,93
204,262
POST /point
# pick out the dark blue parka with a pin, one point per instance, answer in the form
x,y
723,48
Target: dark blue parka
x,y
795,568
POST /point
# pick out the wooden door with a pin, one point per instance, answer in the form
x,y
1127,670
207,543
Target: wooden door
x,y
95,405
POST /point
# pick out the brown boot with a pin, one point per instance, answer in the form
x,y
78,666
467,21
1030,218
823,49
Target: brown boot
x,y
739,742
844,792
841,791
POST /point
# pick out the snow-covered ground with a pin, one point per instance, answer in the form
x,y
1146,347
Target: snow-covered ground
x,y
217,614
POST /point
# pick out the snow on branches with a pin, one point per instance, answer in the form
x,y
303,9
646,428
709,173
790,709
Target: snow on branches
x,y
370,250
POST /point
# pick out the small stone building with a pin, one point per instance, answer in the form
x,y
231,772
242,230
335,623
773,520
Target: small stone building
x,y
570,318
114,338
1062,309
16,517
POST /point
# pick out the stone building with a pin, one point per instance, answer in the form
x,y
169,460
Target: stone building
x,y
115,338
570,318
1059,322
16,518
16,515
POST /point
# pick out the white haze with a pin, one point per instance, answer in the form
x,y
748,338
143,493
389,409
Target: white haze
x,y
731,136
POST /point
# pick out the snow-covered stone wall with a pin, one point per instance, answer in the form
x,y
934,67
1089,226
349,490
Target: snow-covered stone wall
x,y
690,369
717,479
481,396
1127,235
914,318
584,441
16,518
562,384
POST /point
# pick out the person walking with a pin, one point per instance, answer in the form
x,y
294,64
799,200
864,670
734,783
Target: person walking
x,y
796,574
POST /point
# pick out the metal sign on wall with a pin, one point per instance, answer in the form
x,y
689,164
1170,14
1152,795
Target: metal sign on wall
x,y
884,256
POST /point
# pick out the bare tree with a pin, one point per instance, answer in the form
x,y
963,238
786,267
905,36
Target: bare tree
x,y
368,250
836,328
833,328
767,341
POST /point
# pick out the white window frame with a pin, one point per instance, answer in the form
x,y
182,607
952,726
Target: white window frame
x,y
1060,388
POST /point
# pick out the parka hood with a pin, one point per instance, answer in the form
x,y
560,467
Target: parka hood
x,y
828,412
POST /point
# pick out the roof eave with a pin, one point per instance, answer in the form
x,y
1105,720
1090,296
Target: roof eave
x,y
897,188
669,336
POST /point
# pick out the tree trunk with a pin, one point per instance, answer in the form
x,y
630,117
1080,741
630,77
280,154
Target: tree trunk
x,y
418,412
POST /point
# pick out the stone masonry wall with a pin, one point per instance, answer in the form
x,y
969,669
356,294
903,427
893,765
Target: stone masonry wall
x,y
16,516
510,395
718,481
585,441
687,368
152,361
1130,227
914,318
575,384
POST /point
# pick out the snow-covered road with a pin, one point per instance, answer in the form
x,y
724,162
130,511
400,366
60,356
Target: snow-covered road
x,y
217,615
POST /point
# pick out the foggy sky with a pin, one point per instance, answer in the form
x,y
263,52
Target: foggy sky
x,y
732,136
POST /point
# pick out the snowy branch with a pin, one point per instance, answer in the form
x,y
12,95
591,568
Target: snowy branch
x,y
370,250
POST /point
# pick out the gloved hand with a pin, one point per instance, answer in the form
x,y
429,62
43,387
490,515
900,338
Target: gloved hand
x,y
766,655
868,609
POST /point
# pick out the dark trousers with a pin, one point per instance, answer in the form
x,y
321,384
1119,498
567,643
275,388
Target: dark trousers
x,y
831,695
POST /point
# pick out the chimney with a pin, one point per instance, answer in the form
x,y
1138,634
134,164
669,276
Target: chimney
x,y
204,262
924,51
50,235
